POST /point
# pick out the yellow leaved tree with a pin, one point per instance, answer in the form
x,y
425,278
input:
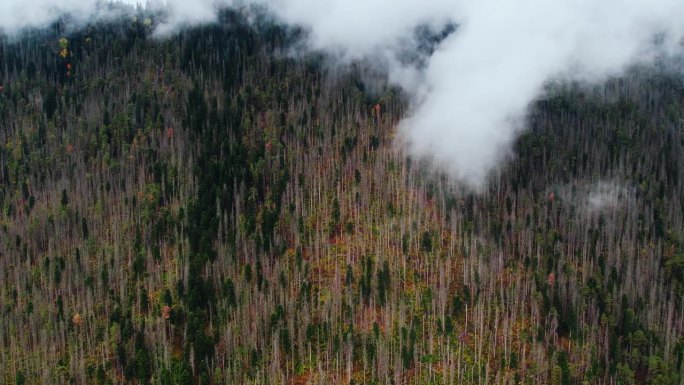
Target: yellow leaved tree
x,y
63,47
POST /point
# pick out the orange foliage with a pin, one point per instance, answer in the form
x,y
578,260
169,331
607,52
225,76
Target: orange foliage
x,y
301,379
77,320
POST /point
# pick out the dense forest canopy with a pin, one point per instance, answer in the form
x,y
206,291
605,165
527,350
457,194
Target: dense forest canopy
x,y
209,209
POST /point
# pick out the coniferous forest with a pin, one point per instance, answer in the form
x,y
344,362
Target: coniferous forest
x,y
210,208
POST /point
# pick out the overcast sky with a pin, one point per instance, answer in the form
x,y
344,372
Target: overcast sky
x,y
470,101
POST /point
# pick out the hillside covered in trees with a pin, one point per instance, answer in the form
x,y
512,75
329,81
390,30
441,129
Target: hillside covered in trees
x,y
211,209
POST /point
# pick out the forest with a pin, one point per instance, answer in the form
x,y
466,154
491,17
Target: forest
x,y
210,209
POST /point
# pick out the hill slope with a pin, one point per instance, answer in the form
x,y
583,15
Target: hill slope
x,y
205,209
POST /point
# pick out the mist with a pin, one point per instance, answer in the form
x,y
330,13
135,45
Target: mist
x,y
18,16
470,94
